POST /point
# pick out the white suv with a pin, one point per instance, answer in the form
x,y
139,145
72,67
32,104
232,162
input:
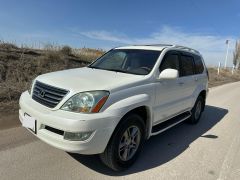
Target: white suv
x,y
113,105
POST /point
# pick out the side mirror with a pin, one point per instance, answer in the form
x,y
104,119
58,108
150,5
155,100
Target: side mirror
x,y
169,74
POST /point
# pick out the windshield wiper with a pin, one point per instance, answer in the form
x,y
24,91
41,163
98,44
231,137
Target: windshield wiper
x,y
93,67
117,70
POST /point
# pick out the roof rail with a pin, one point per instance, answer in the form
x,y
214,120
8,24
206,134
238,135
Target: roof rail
x,y
154,45
186,48
172,45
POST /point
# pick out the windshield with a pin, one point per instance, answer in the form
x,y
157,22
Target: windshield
x,y
133,61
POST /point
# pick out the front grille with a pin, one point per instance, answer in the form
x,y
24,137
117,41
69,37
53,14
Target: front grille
x,y
47,95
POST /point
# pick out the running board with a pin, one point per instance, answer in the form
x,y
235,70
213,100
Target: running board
x,y
170,123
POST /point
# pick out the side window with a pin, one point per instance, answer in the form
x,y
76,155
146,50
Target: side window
x,y
187,65
170,61
198,65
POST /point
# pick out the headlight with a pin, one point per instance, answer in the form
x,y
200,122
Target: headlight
x,y
86,102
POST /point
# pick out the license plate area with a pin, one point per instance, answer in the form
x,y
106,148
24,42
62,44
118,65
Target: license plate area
x,y
29,122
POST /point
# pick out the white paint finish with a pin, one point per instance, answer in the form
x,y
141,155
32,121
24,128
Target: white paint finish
x,y
87,79
168,74
169,99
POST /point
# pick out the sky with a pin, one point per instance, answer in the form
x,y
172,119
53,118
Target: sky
x,y
204,25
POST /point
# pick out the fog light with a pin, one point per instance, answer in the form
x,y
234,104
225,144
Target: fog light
x,y
77,136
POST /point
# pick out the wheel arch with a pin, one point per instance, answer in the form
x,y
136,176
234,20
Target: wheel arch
x,y
145,112
203,93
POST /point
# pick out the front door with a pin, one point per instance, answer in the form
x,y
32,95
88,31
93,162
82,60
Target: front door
x,y
168,101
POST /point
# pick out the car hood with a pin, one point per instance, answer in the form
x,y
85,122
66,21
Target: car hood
x,y
88,79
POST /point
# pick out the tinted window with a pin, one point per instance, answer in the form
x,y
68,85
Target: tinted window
x,y
170,62
187,65
131,61
113,60
198,65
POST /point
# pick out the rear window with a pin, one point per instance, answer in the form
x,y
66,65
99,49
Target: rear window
x,y
187,65
198,65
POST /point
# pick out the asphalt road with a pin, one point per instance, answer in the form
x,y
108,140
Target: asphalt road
x,y
208,150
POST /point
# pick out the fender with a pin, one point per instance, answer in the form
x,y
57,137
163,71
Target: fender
x,y
130,103
123,106
196,93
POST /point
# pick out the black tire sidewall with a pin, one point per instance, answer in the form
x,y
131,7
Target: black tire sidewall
x,y
129,120
192,119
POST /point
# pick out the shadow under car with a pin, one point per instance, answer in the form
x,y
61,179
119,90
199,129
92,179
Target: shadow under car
x,y
163,147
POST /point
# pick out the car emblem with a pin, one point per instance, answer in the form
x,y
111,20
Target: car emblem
x,y
41,93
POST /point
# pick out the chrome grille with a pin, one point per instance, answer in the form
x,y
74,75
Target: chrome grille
x,y
47,95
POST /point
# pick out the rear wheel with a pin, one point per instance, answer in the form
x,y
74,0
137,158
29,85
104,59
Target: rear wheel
x,y
125,144
197,110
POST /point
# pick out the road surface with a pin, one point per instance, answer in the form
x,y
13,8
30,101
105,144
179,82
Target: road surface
x,y
208,150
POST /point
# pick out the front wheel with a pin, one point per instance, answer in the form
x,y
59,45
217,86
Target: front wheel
x,y
125,143
197,111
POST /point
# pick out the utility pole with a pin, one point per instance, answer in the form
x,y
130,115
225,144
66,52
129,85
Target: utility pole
x,y
219,66
227,42
233,69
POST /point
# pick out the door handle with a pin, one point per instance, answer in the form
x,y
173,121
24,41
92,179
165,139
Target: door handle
x,y
181,83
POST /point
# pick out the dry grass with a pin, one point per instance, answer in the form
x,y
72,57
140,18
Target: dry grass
x,y
18,66
225,76
7,46
66,50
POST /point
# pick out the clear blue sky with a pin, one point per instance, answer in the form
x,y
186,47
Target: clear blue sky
x,y
204,24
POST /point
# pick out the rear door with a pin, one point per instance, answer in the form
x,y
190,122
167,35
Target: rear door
x,y
187,78
201,76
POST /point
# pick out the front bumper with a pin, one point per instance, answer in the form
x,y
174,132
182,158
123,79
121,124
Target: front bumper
x,y
102,124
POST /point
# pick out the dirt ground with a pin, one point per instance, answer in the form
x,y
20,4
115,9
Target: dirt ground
x,y
9,120
225,76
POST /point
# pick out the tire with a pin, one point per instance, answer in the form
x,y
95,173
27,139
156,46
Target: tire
x,y
197,110
115,157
